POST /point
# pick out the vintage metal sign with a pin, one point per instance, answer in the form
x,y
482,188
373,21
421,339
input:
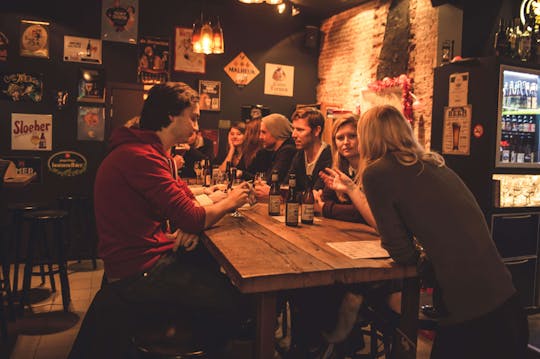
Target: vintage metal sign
x,y
21,86
279,80
119,19
3,47
241,70
27,165
34,38
30,131
82,49
67,164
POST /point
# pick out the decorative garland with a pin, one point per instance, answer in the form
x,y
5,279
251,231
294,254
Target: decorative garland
x,y
406,96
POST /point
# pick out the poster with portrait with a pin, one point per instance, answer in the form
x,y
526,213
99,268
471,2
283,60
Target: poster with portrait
x,y
210,95
82,49
278,80
31,132
4,42
119,20
91,123
185,60
153,60
91,87
27,165
34,38
21,86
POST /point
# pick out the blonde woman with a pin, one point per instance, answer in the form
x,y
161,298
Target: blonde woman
x,y
414,195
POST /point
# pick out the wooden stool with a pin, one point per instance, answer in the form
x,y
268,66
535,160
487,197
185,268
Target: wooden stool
x,y
80,226
40,222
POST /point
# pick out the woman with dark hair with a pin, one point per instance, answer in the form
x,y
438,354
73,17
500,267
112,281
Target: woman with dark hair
x,y
414,196
235,145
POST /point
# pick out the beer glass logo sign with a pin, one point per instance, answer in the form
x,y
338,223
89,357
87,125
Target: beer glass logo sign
x,y
67,164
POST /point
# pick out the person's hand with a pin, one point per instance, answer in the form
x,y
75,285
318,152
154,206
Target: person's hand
x,y
261,189
187,240
214,188
319,203
238,196
179,160
229,140
217,196
337,180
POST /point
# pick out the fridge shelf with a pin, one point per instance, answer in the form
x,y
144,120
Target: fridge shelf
x,y
524,111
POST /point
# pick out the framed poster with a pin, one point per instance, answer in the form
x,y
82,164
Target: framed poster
x,y
82,49
21,86
34,38
279,80
153,60
91,123
185,60
91,86
457,130
119,20
27,165
210,95
30,131
3,47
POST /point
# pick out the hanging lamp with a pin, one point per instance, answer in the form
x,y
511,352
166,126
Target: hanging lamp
x,y
218,40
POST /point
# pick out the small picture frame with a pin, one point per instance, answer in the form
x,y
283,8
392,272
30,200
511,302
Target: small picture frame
x,y
34,39
185,60
91,87
210,95
90,123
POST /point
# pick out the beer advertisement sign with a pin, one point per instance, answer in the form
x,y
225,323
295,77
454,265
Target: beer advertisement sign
x,y
82,49
241,70
27,165
31,132
457,130
67,164
279,80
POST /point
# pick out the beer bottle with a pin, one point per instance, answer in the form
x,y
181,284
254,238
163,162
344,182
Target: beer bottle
x,y
42,141
207,174
274,200
228,173
291,204
308,201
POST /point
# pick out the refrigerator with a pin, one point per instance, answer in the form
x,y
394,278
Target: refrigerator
x,y
486,124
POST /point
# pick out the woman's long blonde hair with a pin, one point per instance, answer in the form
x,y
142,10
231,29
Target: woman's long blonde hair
x,y
338,161
383,129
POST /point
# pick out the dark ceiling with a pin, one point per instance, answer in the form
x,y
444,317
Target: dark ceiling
x,y
327,8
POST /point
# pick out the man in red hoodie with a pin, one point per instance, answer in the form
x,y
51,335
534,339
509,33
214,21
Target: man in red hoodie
x,y
135,194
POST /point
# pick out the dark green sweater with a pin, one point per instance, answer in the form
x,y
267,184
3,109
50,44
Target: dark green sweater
x,y
433,204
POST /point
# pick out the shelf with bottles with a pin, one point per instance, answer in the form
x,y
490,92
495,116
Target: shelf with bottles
x,y
519,124
516,190
520,111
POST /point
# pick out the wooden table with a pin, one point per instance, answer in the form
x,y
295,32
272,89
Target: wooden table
x,y
263,256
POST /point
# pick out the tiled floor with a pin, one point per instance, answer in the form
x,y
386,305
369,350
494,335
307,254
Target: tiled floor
x,y
46,332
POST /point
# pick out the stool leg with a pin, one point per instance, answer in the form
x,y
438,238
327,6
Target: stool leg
x,y
7,288
17,233
28,266
42,273
3,321
62,270
49,264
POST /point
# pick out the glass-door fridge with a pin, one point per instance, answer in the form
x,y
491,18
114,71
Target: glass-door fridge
x,y
501,164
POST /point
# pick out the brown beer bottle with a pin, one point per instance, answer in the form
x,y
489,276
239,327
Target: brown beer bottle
x,y
274,200
292,204
207,174
308,201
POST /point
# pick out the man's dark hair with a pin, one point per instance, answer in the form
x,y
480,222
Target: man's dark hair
x,y
163,100
313,116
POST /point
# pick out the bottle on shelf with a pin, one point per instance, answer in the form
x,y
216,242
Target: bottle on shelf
x,y
501,44
524,47
308,202
274,197
292,204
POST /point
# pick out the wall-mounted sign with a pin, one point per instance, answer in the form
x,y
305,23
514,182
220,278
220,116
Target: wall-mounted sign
x,y
67,164
241,70
91,123
27,165
91,85
185,60
278,80
34,38
30,131
153,60
119,19
20,86
457,130
82,49
3,47
529,9
458,89
210,94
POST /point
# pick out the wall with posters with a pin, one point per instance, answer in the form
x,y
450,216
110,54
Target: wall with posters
x,y
258,30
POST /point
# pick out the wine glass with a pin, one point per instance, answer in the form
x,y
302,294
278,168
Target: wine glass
x,y
197,168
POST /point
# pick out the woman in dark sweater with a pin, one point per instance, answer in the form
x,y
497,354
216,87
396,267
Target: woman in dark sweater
x,y
344,158
414,195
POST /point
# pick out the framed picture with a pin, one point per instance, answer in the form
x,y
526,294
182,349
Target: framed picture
x,y
27,165
91,86
119,20
185,60
153,60
91,123
21,86
82,49
34,38
210,95
31,132
278,80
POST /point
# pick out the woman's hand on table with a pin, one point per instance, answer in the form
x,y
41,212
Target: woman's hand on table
x,y
337,180
319,203
261,189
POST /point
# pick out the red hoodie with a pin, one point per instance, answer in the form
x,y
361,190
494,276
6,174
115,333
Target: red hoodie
x,y
134,193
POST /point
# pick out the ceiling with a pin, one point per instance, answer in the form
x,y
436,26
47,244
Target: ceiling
x,y
326,8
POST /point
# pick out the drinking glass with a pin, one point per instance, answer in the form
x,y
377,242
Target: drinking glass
x,y
197,168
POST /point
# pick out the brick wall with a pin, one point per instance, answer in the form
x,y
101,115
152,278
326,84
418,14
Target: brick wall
x,y
350,50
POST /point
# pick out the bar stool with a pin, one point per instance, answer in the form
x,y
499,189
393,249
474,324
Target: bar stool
x,y
80,225
52,250
17,211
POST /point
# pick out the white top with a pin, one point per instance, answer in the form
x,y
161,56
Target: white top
x,y
311,166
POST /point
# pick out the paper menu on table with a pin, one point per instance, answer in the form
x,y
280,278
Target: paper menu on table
x,y
282,219
360,249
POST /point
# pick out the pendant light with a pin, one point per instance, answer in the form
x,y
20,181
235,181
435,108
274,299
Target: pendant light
x,y
206,39
218,40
